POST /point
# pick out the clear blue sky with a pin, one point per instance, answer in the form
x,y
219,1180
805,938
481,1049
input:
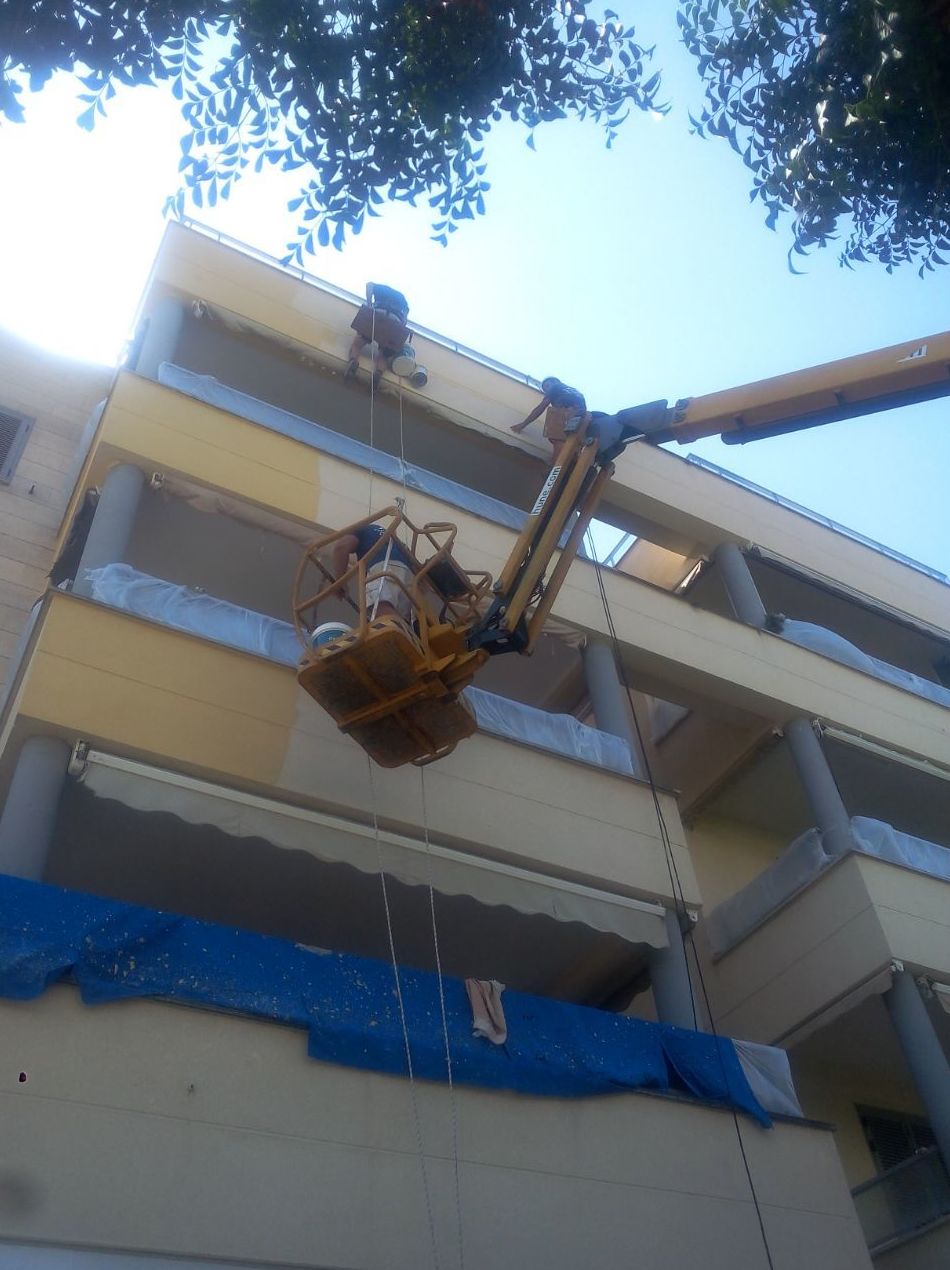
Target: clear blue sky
x,y
635,273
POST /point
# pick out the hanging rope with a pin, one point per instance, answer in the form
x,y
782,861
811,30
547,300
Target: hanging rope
x,y
679,897
384,888
445,1027
400,1001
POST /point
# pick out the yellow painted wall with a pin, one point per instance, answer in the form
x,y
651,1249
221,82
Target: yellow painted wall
x,y
59,394
191,704
663,634
696,507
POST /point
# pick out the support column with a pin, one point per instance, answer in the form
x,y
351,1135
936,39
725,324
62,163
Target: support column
x,y
740,584
608,696
161,337
669,978
29,813
831,815
112,524
923,1053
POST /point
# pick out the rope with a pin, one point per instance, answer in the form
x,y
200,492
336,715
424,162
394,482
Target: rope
x,y
416,1118
445,1029
679,897
435,935
397,979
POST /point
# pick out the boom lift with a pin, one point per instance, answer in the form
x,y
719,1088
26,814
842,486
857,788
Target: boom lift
x,y
394,684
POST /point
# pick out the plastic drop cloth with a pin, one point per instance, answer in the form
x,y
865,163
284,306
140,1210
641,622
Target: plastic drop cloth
x,y
802,862
769,1075
736,917
123,587
186,610
559,733
821,640
210,390
875,838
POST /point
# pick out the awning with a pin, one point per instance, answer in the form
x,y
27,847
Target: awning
x,y
335,840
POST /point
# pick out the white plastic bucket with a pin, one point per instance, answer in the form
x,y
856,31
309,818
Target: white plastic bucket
x,y
404,363
327,632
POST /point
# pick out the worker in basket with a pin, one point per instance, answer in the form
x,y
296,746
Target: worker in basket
x,y
561,405
384,596
381,319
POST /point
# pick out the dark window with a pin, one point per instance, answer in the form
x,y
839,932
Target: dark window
x,y
14,430
893,1138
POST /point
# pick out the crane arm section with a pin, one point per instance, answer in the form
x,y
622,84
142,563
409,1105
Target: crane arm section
x,y
901,375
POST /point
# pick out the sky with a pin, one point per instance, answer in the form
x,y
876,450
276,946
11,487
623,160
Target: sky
x,y
635,273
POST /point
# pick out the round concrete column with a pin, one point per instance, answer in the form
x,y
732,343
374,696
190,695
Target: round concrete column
x,y
740,584
112,524
608,696
669,978
818,783
923,1053
29,813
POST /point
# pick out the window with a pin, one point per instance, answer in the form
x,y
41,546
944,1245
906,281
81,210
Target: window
x,y
892,1137
14,430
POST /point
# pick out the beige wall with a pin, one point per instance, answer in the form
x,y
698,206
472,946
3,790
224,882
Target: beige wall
x,y
148,1127
60,395
192,704
727,855
692,508
929,1251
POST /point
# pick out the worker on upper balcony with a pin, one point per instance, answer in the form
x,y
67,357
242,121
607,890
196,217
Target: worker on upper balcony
x,y
382,319
562,404
390,566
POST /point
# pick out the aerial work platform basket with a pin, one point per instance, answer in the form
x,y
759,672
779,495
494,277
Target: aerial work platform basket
x,y
393,680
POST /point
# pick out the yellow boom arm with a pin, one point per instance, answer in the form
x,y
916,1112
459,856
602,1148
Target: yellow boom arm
x,y
889,377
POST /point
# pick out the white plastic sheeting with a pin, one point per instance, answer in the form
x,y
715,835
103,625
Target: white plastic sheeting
x,y
123,587
559,733
187,610
802,862
820,640
210,390
875,838
736,917
770,1077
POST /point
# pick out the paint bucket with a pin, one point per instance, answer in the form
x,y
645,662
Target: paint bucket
x,y
404,363
419,377
327,632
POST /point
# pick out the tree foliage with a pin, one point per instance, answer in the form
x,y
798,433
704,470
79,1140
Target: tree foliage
x,y
841,109
371,99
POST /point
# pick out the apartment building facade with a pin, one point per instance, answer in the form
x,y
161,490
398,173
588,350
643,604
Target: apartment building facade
x,y
761,859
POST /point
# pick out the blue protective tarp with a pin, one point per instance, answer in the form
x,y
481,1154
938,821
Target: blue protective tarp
x,y
348,1004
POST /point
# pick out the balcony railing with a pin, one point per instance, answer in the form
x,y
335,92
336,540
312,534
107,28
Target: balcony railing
x,y
905,1199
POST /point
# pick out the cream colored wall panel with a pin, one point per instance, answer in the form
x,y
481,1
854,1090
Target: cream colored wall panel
x,y
727,855
927,1251
244,1148
190,703
814,950
663,634
697,506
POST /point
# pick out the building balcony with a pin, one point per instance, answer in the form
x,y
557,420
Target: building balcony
x,y
464,415
905,1214
832,942
193,1110
175,699
669,645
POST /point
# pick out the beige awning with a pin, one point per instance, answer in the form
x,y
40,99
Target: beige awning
x,y
335,840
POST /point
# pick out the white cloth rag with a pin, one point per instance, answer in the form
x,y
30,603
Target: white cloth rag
x,y
488,1015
